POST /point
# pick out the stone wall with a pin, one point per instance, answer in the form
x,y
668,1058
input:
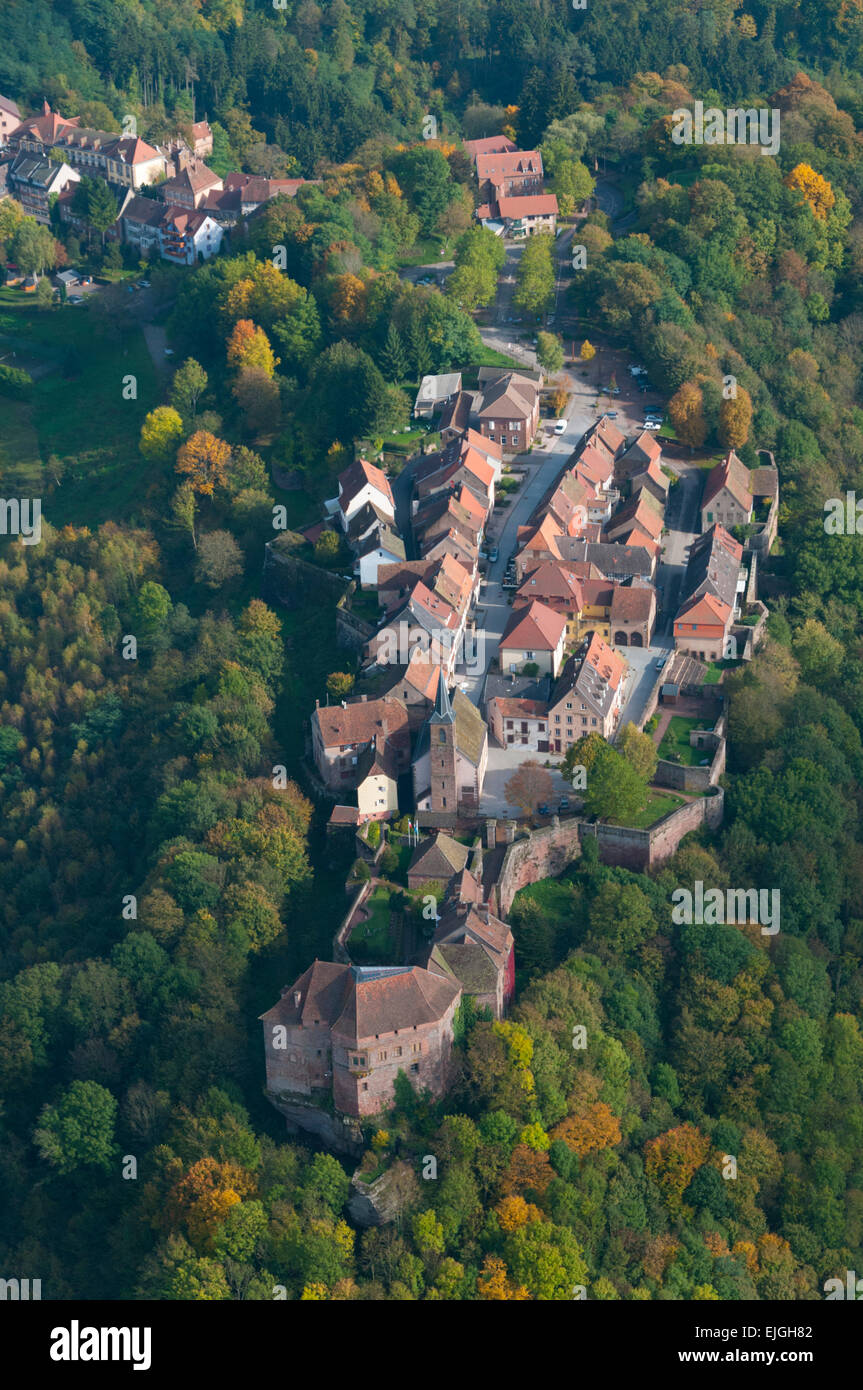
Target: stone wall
x,y
548,852
351,632
290,581
543,854
305,1117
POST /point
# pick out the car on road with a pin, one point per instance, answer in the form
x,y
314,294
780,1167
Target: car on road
x,y
493,553
652,425
563,804
611,414
544,809
660,661
560,426
75,299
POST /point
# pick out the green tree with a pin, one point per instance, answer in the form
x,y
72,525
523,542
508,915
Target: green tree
x,y
614,791
187,388
534,287
79,1130
549,352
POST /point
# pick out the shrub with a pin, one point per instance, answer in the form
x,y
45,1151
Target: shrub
x,y
361,871
373,833
15,382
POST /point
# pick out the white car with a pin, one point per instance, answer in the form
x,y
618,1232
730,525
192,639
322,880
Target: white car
x,y
652,425
560,427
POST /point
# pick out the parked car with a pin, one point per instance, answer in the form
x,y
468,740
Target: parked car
x,y
493,553
611,414
660,662
544,809
560,426
75,299
563,804
652,425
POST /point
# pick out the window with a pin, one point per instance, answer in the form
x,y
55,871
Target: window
x,y
569,706
416,1047
365,1086
397,1052
415,1066
593,721
509,724
557,719
529,656
382,1056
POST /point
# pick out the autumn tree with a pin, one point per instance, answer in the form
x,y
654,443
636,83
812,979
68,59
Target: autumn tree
x,y
530,786
339,684
686,410
249,346
591,1131
672,1159
204,459
161,433
588,351
735,419
815,190
257,396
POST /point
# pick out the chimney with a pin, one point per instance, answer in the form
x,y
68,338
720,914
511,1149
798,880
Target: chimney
x,y
298,997
364,698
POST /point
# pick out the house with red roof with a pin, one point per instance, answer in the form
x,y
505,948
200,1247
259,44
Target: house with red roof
x,y
519,723
342,733
727,497
535,633
361,484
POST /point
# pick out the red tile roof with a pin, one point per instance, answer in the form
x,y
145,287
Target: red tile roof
x,y
534,627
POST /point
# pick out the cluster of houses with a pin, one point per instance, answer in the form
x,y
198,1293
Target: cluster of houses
x,y
186,210
513,201
715,575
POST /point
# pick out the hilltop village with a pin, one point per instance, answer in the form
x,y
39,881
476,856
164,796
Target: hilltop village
x,y
479,661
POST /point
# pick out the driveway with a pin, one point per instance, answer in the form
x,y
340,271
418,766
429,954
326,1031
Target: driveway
x,y
502,763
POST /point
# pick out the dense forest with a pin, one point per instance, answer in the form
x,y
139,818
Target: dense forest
x,y
159,882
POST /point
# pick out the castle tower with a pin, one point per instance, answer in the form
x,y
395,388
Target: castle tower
x,y
442,751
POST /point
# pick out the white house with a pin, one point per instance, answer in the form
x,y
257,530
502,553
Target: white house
x,y
360,485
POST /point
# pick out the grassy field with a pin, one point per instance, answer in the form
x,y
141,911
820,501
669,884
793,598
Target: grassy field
x,y
659,804
81,419
371,939
676,740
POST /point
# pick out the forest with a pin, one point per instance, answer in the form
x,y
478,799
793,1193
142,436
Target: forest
x,y
159,883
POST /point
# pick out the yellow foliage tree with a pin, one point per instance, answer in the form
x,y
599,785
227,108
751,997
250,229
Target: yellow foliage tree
x,y
249,346
595,1129
816,191
588,351
348,298
686,409
514,1211
493,1283
204,459
735,419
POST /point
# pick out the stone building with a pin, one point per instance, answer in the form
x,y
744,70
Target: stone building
x,y
451,754
344,1032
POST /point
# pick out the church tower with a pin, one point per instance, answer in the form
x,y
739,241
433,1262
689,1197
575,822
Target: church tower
x,y
442,752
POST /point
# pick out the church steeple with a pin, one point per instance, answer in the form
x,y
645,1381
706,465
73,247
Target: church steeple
x,y
443,713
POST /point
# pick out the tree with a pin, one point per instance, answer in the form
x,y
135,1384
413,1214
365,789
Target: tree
x,y
328,547
44,295
79,1130
534,287
816,191
183,508
549,352
96,204
257,396
530,786
735,419
672,1159
219,559
161,433
340,684
204,459
34,249
686,410
249,346
393,358
614,789
588,351
639,749
188,386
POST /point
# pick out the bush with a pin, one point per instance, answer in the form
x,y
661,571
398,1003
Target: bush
x,y
389,861
361,871
373,833
15,382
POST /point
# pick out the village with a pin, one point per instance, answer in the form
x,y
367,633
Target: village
x,y
528,580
